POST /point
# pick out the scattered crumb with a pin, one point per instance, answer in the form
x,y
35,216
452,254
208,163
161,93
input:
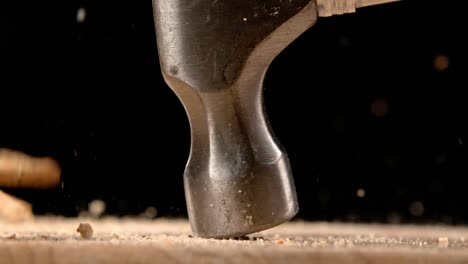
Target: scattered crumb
x,y
85,230
443,242
115,236
279,242
190,236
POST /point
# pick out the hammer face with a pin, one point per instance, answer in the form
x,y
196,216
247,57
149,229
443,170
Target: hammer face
x,y
214,56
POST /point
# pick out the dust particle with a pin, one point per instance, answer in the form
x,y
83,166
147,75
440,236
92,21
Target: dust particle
x,y
441,63
85,230
416,208
81,15
379,107
97,208
151,212
361,193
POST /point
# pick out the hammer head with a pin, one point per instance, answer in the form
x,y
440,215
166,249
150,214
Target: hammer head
x,y
214,56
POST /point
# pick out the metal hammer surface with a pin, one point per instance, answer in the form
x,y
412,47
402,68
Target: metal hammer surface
x,y
214,55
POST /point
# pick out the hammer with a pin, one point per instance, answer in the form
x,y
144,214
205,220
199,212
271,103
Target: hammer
x,y
214,55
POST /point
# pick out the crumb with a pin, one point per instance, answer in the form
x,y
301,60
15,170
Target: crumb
x,y
44,236
85,230
443,242
279,242
190,236
115,236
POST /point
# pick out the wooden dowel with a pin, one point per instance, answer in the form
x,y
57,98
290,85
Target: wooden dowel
x,y
20,170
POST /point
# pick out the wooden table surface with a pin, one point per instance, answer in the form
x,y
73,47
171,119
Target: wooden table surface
x,y
138,240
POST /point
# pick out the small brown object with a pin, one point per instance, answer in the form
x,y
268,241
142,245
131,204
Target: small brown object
x,y
279,242
85,230
20,170
13,209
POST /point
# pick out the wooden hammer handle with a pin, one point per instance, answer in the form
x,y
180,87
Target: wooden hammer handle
x,y
19,170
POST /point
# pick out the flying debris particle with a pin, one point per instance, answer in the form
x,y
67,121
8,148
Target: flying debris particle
x,y
361,193
379,107
441,63
80,15
416,208
151,212
97,208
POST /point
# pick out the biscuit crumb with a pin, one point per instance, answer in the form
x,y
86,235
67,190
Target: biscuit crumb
x,y
85,230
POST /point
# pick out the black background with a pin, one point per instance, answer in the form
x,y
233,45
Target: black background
x,y
91,95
